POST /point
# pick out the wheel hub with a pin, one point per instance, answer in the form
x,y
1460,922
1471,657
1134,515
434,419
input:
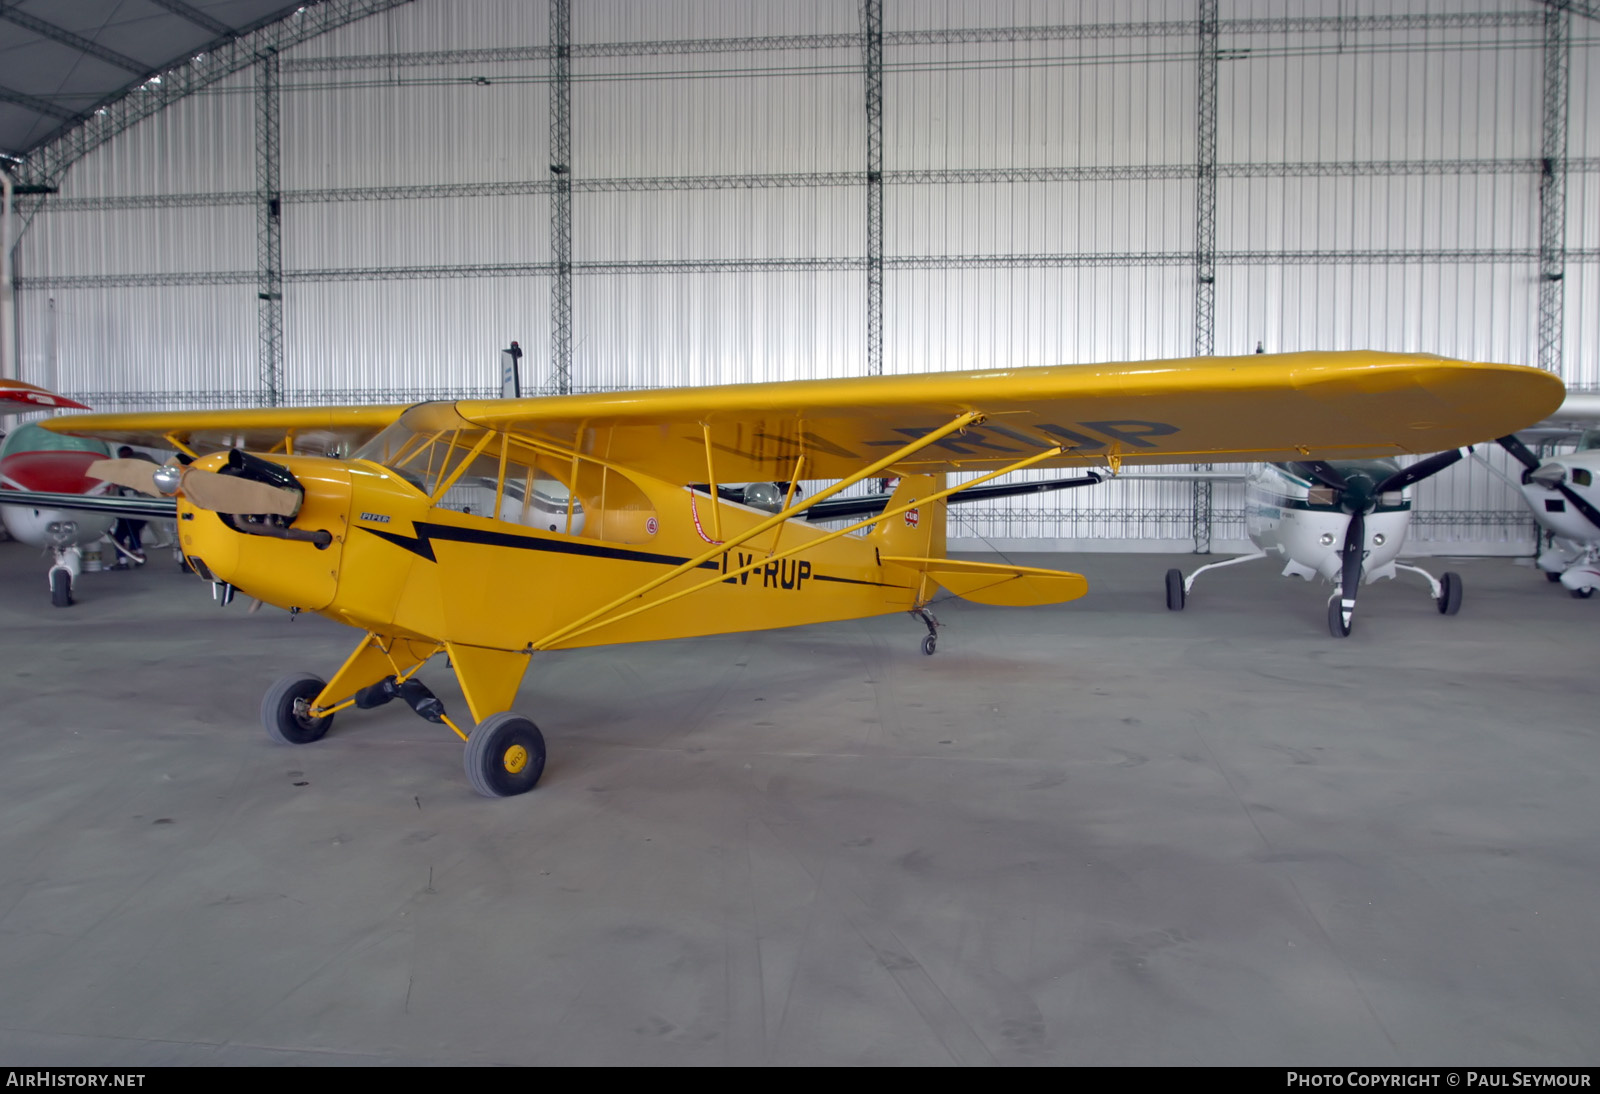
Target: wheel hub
x,y
515,759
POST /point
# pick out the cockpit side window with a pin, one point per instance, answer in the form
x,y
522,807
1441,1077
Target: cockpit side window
x,y
480,472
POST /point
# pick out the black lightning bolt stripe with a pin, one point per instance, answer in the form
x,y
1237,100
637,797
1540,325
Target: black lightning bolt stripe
x,y
421,545
855,581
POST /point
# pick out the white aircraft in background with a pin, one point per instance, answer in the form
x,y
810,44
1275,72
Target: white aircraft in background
x,y
1343,521
43,484
1563,494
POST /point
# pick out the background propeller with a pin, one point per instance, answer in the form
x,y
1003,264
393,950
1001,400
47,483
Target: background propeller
x,y
1532,463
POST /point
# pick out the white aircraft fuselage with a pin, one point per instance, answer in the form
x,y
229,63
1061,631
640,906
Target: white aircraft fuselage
x,y
1573,555
1293,518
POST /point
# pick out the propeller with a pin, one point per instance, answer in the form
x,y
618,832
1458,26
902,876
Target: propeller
x,y
226,491
1527,459
1358,496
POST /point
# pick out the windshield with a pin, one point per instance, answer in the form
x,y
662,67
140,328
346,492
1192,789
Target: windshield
x,y
432,446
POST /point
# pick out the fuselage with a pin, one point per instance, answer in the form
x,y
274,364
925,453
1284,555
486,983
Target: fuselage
x,y
35,459
1289,515
401,564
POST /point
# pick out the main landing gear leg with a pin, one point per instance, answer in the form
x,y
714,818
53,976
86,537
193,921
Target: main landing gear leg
x,y
505,753
1178,587
930,643
1446,590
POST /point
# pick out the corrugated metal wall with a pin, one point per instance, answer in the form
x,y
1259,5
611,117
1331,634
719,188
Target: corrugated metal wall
x,y
1378,186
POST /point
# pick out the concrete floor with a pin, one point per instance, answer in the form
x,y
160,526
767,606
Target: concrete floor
x,y
1100,833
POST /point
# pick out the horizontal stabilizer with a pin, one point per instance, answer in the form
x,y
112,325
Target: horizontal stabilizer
x,y
999,583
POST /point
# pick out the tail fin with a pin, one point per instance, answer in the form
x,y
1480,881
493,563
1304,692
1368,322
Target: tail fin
x,y
918,532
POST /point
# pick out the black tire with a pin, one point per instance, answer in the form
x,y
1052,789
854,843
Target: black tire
x,y
1450,593
282,720
1550,577
1583,594
504,756
929,644
1175,593
1336,623
61,588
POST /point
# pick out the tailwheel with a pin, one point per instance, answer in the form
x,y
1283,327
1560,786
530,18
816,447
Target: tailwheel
x,y
504,756
1175,590
931,642
1336,621
284,710
1449,593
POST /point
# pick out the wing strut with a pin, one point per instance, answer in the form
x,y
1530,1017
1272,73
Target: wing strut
x,y
584,627
716,495
960,422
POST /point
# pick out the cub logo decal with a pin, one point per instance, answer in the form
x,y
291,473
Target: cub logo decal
x,y
911,518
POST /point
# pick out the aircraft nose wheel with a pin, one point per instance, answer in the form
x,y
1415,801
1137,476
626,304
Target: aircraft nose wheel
x,y
504,756
1336,622
61,588
283,710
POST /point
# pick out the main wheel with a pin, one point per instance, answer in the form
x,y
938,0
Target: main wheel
x,y
1336,624
929,644
1450,593
61,588
1175,593
1580,594
504,756
283,710
1550,577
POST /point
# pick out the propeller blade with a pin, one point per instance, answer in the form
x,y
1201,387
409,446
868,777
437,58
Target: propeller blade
x,y
1590,513
1513,444
1420,470
137,475
1355,539
1323,472
233,494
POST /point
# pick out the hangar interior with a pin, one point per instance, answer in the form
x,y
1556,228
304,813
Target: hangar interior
x,y
1104,835
365,201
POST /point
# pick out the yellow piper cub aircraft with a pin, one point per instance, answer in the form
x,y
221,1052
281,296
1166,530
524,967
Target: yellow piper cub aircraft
x,y
418,526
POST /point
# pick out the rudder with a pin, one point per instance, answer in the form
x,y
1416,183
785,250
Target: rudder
x,y
919,532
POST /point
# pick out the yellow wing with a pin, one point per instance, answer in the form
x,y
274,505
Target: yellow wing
x,y
1259,407
307,430
1284,407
